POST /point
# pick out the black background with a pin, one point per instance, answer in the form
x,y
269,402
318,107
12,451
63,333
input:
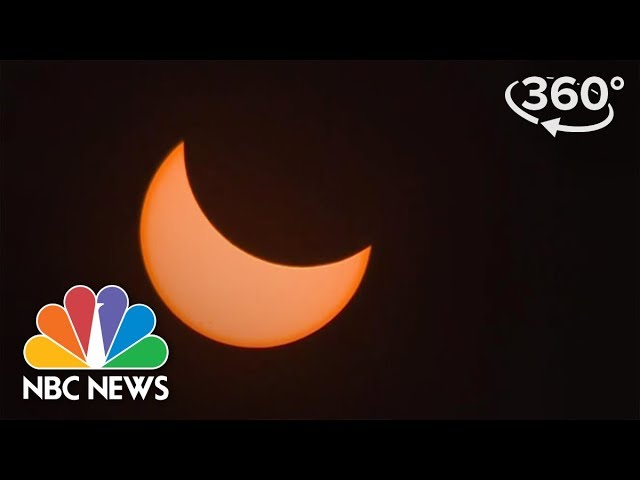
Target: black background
x,y
503,276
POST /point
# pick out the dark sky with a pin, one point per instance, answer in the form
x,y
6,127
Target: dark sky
x,y
503,278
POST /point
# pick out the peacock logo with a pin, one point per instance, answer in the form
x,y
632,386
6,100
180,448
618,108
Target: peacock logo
x,y
96,332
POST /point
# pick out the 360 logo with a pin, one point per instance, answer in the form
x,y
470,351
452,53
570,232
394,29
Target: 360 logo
x,y
594,96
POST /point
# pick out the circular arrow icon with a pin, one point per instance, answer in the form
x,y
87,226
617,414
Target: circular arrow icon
x,y
554,126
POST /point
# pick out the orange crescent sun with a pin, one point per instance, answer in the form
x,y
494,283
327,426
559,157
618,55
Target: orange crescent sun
x,y
223,292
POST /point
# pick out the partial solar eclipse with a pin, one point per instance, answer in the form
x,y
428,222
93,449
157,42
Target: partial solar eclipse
x,y
223,292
